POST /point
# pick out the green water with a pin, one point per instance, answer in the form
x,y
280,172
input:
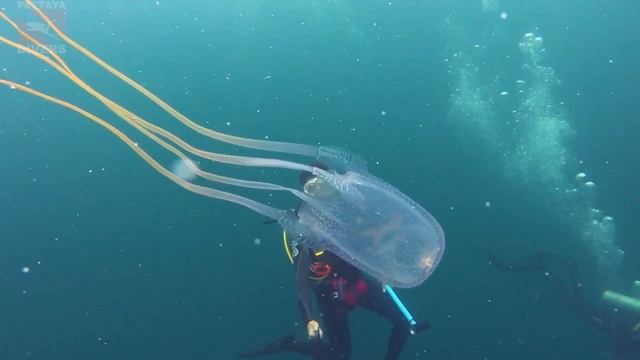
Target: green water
x,y
102,258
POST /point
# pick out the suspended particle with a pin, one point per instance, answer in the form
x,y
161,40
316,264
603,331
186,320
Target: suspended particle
x,y
184,169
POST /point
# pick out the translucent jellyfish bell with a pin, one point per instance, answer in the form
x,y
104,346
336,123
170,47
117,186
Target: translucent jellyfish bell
x,y
372,225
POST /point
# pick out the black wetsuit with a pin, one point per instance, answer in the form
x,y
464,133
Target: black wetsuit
x,y
339,288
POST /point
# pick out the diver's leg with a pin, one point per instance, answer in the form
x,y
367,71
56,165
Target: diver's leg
x,y
381,303
335,318
335,315
397,340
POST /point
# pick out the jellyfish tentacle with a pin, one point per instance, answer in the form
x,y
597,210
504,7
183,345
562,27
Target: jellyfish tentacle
x,y
258,207
153,132
273,146
129,117
34,41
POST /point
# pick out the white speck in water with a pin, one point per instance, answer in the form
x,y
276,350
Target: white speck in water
x,y
504,15
228,123
257,241
383,112
487,204
26,269
504,93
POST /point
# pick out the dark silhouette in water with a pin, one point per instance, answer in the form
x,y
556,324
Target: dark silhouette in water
x,y
623,328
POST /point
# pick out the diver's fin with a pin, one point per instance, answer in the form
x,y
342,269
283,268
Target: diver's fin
x,y
277,346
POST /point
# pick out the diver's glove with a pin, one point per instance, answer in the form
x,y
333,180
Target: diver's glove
x,y
420,327
313,330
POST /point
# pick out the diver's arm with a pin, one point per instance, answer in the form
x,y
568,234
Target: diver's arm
x,y
302,285
304,294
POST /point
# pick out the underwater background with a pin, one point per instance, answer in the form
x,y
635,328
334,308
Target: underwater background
x,y
449,101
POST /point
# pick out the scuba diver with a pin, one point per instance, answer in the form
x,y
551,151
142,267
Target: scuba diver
x,y
616,315
339,288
